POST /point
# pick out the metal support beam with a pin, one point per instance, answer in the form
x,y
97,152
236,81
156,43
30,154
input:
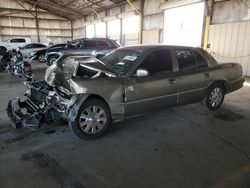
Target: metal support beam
x,y
141,21
106,23
45,5
37,26
72,32
140,13
209,8
28,10
133,6
93,10
121,29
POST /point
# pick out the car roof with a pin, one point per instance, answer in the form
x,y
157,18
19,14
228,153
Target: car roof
x,y
36,43
75,40
155,46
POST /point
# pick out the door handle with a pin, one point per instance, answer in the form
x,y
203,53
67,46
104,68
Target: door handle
x,y
207,75
172,81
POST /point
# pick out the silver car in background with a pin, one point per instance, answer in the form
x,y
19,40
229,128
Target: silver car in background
x,y
29,49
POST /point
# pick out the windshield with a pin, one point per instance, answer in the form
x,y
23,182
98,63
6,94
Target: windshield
x,y
121,60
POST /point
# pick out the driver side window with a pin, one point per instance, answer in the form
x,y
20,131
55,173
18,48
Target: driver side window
x,y
158,61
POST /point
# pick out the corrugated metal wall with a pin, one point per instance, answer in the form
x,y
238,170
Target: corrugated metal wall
x,y
52,28
152,23
231,42
230,33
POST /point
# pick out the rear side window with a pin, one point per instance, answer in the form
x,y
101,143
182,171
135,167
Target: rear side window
x,y
90,43
201,62
186,60
158,61
102,43
17,40
211,61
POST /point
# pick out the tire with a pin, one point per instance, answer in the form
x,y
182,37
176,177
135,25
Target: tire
x,y
52,59
3,51
214,96
91,123
41,58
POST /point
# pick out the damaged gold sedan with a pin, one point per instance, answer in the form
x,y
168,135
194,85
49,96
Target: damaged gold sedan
x,y
91,94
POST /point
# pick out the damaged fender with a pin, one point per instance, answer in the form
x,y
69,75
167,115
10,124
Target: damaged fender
x,y
74,109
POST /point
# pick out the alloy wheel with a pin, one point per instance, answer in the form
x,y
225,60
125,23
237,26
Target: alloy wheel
x,y
41,58
92,119
215,97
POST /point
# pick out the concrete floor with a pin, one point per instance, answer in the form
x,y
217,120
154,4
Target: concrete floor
x,y
179,147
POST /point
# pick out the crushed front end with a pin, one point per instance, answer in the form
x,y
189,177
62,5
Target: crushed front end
x,y
43,103
52,99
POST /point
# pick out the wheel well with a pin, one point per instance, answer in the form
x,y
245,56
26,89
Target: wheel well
x,y
53,55
94,96
222,82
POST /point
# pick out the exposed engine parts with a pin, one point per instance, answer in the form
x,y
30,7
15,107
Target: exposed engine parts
x,y
43,104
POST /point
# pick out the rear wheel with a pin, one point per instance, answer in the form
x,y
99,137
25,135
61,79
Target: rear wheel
x,y
92,121
214,96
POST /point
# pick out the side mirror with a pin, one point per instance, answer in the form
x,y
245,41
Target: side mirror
x,y
141,73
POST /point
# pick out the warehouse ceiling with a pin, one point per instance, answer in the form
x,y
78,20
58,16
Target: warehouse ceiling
x,y
74,9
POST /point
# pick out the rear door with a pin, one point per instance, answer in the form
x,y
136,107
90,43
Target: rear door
x,y
193,76
144,94
88,47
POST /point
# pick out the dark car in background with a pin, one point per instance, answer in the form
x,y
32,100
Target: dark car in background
x,y
40,54
95,47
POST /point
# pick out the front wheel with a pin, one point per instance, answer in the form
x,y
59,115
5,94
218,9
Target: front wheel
x,y
52,59
92,121
41,58
214,96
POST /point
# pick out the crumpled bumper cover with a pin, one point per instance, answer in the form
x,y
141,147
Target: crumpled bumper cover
x,y
18,118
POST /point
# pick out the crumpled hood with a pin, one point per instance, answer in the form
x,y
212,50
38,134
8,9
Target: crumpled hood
x,y
64,69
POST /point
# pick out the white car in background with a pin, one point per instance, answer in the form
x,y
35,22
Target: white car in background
x,y
13,43
29,49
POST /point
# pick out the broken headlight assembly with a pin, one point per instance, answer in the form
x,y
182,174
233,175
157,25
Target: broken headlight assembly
x,y
50,74
63,92
69,68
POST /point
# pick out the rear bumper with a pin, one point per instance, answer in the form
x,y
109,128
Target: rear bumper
x,y
18,118
235,85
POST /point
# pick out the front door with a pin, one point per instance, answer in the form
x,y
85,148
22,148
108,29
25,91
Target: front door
x,y
157,90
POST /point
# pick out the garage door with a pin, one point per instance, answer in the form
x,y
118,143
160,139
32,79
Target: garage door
x,y
183,25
